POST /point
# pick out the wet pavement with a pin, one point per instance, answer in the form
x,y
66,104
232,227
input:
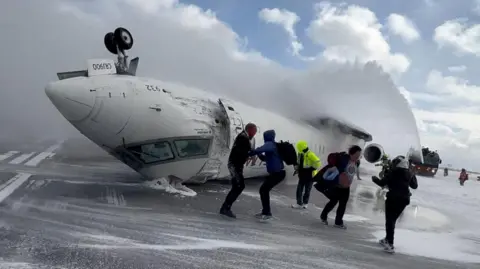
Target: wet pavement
x,y
79,208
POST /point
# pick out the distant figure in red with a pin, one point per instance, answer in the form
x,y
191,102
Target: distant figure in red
x,y
463,176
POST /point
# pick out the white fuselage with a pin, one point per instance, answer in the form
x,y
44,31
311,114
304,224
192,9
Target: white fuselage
x,y
166,130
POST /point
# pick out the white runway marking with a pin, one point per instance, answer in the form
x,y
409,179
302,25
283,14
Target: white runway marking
x,y
104,183
54,147
8,155
48,153
40,157
113,242
21,158
14,183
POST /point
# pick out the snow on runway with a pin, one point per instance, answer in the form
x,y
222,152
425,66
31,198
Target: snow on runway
x,y
74,213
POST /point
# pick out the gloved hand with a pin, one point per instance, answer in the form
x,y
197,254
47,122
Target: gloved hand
x,y
261,157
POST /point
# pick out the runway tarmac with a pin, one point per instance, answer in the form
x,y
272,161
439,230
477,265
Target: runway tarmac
x,y
65,205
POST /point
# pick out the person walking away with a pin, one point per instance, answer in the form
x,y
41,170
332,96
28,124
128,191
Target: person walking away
x,y
463,176
357,163
308,164
275,169
236,161
398,181
340,194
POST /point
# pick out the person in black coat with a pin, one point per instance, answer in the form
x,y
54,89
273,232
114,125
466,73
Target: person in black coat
x,y
236,161
399,180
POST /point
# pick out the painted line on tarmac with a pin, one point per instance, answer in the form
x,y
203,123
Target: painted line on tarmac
x,y
11,185
20,159
8,155
48,153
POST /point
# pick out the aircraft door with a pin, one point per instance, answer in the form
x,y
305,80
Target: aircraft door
x,y
234,120
113,108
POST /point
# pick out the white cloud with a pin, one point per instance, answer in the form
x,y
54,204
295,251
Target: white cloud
x,y
352,33
457,69
403,27
454,135
406,94
458,35
452,125
287,20
453,89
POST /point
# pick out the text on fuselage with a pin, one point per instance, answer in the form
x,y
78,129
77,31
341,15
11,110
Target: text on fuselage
x,y
153,88
102,66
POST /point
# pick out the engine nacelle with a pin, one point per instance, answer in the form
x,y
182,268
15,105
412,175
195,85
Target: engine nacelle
x,y
373,153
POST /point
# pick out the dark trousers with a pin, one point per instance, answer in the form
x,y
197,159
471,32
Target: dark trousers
x,y
238,184
340,196
271,181
393,209
305,182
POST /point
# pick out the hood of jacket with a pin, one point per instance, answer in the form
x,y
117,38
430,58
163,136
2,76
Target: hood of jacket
x,y
403,164
269,135
302,146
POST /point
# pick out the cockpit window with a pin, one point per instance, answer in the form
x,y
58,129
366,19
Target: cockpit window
x,y
192,147
155,152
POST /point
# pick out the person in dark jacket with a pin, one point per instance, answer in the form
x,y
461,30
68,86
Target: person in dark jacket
x,y
236,161
339,194
275,168
398,180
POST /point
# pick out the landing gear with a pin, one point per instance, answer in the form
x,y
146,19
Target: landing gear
x,y
117,43
123,38
110,43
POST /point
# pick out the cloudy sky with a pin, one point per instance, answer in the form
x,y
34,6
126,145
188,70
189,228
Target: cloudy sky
x,y
429,48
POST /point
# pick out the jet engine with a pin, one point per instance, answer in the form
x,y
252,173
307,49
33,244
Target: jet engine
x,y
373,153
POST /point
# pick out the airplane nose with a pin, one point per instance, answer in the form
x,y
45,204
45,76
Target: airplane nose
x,y
72,98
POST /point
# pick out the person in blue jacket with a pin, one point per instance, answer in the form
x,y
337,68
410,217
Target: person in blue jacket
x,y
268,152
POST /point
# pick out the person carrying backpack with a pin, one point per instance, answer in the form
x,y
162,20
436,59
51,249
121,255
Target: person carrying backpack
x,y
338,189
272,152
308,163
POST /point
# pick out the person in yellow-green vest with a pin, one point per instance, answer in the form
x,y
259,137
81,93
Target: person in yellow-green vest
x,y
308,165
